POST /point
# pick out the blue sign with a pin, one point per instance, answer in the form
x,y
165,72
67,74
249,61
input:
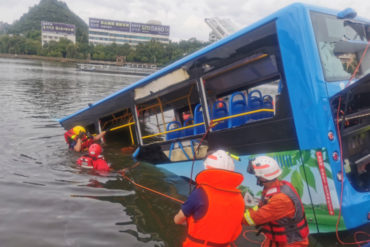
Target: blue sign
x,y
150,28
132,27
122,26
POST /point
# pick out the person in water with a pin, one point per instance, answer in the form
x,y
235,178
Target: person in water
x,y
280,213
94,159
79,140
214,210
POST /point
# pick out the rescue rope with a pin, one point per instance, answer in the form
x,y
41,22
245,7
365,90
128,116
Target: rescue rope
x,y
250,240
211,125
123,173
151,190
342,164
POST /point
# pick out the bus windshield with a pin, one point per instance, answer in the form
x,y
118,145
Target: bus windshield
x,y
341,43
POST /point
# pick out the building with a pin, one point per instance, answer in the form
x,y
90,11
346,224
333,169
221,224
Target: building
x,y
220,28
55,31
104,32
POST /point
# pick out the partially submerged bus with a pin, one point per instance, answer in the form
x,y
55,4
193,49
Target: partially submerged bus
x,y
280,87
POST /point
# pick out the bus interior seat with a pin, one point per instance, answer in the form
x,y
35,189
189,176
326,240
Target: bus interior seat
x,y
189,131
236,107
171,126
255,102
268,104
198,118
220,111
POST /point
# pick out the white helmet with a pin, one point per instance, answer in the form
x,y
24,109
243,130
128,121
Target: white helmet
x,y
219,160
266,167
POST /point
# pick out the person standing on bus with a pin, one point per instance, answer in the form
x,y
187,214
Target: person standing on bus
x,y
280,213
214,210
79,140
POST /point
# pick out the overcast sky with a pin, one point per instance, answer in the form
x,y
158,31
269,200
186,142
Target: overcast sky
x,y
185,17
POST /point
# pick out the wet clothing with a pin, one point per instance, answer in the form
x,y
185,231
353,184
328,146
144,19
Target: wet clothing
x,y
221,223
93,163
196,205
281,215
71,139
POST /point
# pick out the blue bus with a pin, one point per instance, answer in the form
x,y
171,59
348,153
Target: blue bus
x,y
294,86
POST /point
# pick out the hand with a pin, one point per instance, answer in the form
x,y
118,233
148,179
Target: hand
x,y
249,200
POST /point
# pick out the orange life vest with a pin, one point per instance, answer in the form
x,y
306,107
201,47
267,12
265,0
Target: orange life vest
x,y
222,222
89,162
286,230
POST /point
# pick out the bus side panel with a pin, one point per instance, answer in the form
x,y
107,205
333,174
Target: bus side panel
x,y
293,172
308,171
320,184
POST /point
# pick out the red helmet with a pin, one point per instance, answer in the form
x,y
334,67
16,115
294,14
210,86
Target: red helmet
x,y
95,150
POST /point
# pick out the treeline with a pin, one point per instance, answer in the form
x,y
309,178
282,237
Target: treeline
x,y
149,52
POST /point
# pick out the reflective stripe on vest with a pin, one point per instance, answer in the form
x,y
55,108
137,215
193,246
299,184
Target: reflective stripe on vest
x,y
222,222
287,230
248,218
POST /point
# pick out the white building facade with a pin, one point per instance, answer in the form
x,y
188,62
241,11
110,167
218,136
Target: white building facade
x,y
54,31
106,32
221,28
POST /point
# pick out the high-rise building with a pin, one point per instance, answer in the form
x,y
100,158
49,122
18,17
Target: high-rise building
x,y
54,31
103,31
220,28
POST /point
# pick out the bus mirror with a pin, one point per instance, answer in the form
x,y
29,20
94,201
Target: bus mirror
x,y
347,13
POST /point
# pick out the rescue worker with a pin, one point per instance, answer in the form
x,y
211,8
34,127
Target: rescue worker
x,y
214,210
78,140
94,160
280,213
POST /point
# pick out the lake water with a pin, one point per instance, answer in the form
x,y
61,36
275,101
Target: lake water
x,y
45,199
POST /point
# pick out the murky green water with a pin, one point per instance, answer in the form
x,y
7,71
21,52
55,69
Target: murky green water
x,y
45,199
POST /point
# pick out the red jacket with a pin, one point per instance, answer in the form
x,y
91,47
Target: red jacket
x,y
280,209
222,222
90,163
71,140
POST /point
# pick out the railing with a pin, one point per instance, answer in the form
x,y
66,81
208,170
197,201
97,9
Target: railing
x,y
214,120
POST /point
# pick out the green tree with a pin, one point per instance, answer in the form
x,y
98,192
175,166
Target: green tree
x,y
32,47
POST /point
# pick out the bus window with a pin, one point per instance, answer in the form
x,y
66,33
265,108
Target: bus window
x,y
340,44
243,92
168,111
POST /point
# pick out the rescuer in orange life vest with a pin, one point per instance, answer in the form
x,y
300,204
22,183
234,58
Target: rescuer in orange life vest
x,y
280,213
94,160
214,210
78,140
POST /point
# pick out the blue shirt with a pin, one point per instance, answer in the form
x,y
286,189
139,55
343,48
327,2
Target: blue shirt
x,y
196,205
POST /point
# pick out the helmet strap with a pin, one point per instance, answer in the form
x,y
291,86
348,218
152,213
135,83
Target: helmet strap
x,y
259,182
262,182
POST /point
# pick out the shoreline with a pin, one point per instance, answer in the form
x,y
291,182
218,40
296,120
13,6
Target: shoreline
x,y
55,59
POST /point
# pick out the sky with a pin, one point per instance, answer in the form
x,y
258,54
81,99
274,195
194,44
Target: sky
x,y
185,17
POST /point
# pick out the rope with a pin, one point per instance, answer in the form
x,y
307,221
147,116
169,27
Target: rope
x,y
212,124
122,172
250,240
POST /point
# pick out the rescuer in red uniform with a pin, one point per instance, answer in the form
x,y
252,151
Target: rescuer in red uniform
x,y
214,210
78,140
94,160
280,213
